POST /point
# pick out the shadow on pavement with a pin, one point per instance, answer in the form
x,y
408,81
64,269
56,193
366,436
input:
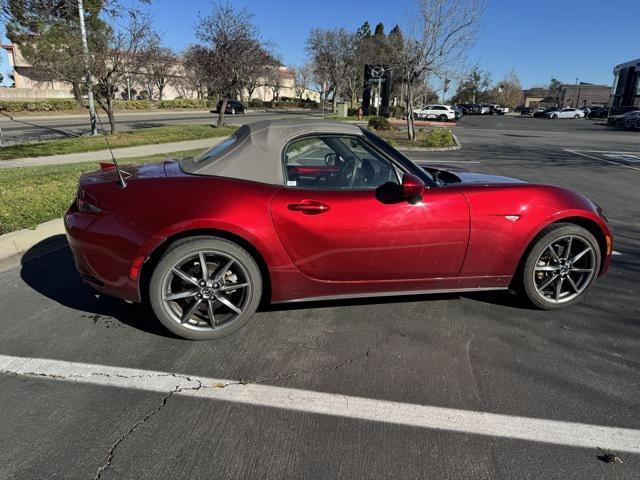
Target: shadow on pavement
x,y
53,274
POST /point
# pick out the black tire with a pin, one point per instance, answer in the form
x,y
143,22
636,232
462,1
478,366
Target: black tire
x,y
443,118
555,232
576,117
190,246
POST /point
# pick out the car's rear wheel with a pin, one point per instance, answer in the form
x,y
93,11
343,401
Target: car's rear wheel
x,y
443,118
576,116
561,266
205,288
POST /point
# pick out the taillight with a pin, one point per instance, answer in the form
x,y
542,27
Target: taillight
x,y
86,204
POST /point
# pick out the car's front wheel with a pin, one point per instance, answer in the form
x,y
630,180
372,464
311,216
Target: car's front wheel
x,y
561,266
205,288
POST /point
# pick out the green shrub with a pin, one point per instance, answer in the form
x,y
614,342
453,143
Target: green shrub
x,y
57,104
183,103
396,111
440,137
132,104
255,103
379,123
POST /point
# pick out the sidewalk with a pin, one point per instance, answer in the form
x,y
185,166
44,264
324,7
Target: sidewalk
x,y
105,155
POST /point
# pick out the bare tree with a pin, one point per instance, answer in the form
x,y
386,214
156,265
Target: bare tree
x,y
275,80
301,79
114,56
442,35
195,74
158,64
331,53
230,41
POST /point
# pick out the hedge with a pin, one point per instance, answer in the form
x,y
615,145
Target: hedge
x,y
132,104
183,103
38,105
379,123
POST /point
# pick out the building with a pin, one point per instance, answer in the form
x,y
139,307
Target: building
x,y
28,85
626,85
568,95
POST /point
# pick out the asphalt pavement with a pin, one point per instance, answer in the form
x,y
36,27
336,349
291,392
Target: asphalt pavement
x,y
430,387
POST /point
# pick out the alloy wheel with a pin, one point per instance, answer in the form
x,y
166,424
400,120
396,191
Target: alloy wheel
x,y
564,269
206,290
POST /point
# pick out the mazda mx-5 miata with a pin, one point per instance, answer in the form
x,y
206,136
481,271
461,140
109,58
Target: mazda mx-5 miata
x,y
293,210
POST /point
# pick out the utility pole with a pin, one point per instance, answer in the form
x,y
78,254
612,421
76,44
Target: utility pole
x,y
87,69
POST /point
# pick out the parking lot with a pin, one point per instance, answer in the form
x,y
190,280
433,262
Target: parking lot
x,y
429,387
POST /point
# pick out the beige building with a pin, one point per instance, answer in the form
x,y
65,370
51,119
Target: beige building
x,y
28,86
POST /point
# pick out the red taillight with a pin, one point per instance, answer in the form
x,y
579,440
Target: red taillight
x,y
106,166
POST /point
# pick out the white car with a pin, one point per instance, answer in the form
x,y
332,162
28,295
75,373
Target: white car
x,y
566,113
435,112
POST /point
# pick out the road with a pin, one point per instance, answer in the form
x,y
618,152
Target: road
x,y
309,385
28,129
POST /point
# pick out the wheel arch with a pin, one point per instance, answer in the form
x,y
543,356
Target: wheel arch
x,y
590,225
158,251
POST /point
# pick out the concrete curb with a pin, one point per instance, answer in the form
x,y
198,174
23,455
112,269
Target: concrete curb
x,y
21,241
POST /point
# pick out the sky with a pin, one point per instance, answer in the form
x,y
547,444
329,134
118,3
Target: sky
x,y
538,39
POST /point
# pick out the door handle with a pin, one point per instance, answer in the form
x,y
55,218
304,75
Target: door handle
x,y
309,207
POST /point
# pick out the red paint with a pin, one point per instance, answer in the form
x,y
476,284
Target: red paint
x,y
318,243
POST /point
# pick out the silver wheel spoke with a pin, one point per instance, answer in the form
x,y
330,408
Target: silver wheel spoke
x,y
178,295
212,317
553,253
566,256
580,255
184,276
203,267
187,315
573,284
222,271
233,286
558,289
582,270
548,282
546,268
225,301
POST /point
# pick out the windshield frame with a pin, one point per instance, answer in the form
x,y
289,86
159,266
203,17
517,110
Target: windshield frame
x,y
399,158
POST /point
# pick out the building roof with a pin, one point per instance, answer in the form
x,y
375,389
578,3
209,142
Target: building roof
x,y
254,152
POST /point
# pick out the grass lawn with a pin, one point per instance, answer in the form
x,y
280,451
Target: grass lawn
x,y
142,136
431,138
33,195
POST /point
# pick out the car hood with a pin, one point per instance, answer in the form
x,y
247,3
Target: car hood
x,y
449,174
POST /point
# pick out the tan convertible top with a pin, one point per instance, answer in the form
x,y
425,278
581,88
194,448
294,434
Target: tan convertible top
x,y
254,152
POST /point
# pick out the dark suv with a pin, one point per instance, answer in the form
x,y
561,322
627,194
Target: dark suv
x,y
233,107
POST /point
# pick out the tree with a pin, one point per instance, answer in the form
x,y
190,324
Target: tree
x,y
364,31
158,64
445,30
230,41
274,79
473,86
301,79
48,34
509,91
554,90
332,55
195,74
114,56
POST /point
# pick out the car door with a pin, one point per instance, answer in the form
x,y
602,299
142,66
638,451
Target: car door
x,y
336,223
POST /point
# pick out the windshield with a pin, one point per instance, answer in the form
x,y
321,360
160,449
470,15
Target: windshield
x,y
426,177
215,150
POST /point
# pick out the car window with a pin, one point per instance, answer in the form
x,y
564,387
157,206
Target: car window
x,y
336,162
215,150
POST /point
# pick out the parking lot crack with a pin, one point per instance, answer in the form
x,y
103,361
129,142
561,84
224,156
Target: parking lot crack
x,y
177,389
342,364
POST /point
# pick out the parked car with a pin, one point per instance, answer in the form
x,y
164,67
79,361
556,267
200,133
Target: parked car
x,y
566,112
613,119
526,111
298,209
541,112
628,121
485,110
443,113
458,112
233,107
599,112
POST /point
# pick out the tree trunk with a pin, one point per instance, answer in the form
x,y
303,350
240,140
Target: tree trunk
x,y
223,107
334,103
77,93
411,128
160,91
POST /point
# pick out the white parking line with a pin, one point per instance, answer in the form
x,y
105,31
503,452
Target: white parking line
x,y
448,419
578,152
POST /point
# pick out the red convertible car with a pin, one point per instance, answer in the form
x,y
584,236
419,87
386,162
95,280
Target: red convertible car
x,y
293,210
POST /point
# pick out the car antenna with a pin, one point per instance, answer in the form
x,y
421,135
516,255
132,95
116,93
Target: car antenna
x,y
121,181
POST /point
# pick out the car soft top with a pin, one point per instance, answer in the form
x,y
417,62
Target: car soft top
x,y
254,152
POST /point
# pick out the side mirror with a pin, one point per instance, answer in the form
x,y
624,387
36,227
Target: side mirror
x,y
412,187
331,159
